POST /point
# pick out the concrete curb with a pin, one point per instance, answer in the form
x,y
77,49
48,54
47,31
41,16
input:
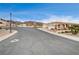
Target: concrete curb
x,y
62,35
7,36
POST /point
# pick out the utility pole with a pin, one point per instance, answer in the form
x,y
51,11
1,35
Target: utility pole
x,y
10,22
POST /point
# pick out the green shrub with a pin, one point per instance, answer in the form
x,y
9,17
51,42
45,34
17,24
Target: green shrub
x,y
74,29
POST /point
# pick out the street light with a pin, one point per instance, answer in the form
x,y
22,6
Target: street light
x,y
10,22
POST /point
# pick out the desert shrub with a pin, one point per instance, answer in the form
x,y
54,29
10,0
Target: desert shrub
x,y
74,29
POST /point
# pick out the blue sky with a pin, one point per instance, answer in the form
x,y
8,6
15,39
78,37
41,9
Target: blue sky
x,y
40,11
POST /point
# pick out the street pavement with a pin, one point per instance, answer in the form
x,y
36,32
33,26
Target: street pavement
x,y
30,41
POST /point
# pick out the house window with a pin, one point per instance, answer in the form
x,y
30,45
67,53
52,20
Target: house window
x,y
59,27
0,22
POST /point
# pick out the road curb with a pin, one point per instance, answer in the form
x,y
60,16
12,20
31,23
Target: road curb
x,y
62,35
7,36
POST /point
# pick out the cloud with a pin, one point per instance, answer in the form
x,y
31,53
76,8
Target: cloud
x,y
46,19
55,18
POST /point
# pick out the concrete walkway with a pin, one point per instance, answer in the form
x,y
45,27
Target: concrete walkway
x,y
62,35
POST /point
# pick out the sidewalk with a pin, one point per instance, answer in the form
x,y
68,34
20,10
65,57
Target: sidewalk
x,y
62,35
4,34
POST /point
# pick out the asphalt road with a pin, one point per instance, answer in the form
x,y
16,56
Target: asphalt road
x,y
29,41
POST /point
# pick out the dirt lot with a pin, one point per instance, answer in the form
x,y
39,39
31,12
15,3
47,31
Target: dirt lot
x,y
3,32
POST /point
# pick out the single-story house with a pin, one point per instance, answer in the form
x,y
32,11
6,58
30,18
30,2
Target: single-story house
x,y
6,23
59,26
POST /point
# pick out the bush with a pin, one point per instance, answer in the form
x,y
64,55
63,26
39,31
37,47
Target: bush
x,y
74,29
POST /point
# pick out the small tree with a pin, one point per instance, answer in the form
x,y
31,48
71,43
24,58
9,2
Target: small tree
x,y
74,29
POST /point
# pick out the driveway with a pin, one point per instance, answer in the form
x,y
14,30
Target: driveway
x,y
29,41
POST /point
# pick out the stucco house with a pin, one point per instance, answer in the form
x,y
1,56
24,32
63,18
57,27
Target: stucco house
x,y
6,23
2,23
45,25
59,26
